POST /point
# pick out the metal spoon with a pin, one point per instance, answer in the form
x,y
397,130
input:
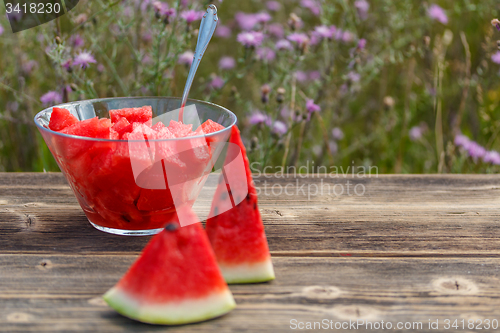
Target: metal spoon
x,y
207,28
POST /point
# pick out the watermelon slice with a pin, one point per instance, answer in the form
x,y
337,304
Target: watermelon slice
x,y
60,119
210,126
158,126
91,128
179,129
122,126
237,235
175,280
143,114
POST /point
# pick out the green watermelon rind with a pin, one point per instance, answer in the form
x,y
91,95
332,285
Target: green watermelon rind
x,y
174,313
248,273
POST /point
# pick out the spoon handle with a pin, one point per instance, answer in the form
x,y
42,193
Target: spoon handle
x,y
207,28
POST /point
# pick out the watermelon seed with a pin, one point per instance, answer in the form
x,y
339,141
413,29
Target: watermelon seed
x,y
216,211
125,218
224,196
254,206
171,227
248,197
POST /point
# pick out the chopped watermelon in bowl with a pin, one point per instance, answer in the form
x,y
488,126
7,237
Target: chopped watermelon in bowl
x,y
130,161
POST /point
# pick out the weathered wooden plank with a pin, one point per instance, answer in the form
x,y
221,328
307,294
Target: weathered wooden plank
x,y
398,216
62,292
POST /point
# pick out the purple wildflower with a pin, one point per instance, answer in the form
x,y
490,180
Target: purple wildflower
x,y
1,30
298,38
163,10
362,44
301,76
250,38
51,98
246,21
283,44
437,13
186,58
415,133
362,6
262,17
492,157
223,31
192,15
265,53
83,59
314,75
311,107
315,39
279,127
475,150
67,64
312,5
76,41
323,31
101,68
462,141
258,117
217,82
496,57
273,6
276,30
337,133
353,76
227,63
333,146
347,37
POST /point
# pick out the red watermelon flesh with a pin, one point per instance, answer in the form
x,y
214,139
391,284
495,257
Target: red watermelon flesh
x,y
195,153
158,126
210,126
175,281
60,119
178,129
122,126
237,235
142,115
91,128
102,174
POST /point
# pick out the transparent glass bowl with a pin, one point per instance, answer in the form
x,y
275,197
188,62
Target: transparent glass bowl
x,y
132,187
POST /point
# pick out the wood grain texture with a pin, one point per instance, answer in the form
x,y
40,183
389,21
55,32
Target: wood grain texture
x,y
63,291
412,248
397,216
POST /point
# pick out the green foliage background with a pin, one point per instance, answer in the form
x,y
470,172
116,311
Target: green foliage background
x,y
414,72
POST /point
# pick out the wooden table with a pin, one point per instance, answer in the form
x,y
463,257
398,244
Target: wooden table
x,y
412,249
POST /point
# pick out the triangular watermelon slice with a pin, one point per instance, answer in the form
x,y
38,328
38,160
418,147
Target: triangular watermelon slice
x,y
60,119
175,281
210,126
237,235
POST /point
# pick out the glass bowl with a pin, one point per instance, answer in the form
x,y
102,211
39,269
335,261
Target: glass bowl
x,y
132,187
